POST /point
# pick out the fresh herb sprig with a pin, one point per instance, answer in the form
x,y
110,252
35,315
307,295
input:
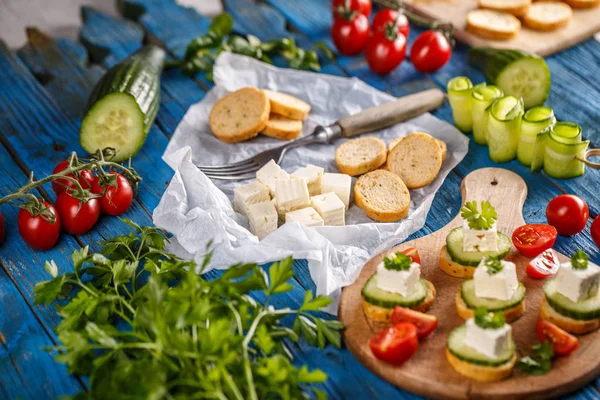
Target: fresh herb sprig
x,y
579,260
539,362
142,323
487,320
479,220
397,262
493,265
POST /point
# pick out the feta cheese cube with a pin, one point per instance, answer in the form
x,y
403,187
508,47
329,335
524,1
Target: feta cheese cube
x,y
312,175
263,218
501,285
307,216
479,240
291,194
402,282
269,174
340,184
251,193
490,342
578,284
330,208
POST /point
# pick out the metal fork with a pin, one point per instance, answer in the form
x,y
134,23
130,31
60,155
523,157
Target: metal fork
x,y
369,120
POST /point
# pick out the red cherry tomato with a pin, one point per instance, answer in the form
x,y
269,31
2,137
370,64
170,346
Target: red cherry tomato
x,y
425,323
77,217
117,198
543,265
396,344
595,230
385,52
383,17
2,231
360,6
413,253
38,232
564,343
350,35
430,51
568,214
84,177
533,239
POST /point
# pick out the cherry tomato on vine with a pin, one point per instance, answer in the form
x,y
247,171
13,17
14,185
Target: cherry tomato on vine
x,y
544,265
564,343
425,323
430,51
39,225
84,177
385,51
350,33
396,344
595,230
2,229
389,16
533,239
360,6
118,195
568,214
77,216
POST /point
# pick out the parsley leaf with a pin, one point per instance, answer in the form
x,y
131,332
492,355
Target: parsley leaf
x,y
479,220
579,260
486,320
539,362
493,265
397,262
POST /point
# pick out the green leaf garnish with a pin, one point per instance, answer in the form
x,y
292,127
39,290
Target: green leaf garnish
x,y
479,220
493,265
397,262
579,260
487,320
539,362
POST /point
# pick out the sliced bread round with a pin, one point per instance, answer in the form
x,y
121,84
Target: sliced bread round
x,y
287,105
282,128
582,3
495,25
240,115
548,16
417,159
359,156
382,195
444,148
515,7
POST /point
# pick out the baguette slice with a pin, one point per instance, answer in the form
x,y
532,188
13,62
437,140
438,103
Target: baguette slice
x,y
582,3
282,128
417,159
481,373
442,144
570,325
517,8
382,195
510,314
495,25
453,268
548,16
359,156
288,106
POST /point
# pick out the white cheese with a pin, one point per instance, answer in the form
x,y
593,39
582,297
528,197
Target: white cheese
x,y
291,194
307,216
578,284
490,342
330,208
269,174
501,285
479,240
340,184
263,218
251,193
312,175
401,282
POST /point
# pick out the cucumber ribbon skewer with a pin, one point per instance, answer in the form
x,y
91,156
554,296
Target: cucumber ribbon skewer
x,y
482,97
534,122
459,95
565,151
504,128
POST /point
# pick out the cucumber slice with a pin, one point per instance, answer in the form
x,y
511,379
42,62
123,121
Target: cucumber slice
x,y
467,292
583,310
481,98
459,348
534,121
504,128
454,244
539,149
561,160
382,298
459,95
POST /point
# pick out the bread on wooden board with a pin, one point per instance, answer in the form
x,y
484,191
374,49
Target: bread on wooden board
x,y
359,156
240,115
376,314
282,128
570,325
465,312
517,8
382,195
548,16
417,159
442,144
453,268
495,25
583,3
288,106
481,373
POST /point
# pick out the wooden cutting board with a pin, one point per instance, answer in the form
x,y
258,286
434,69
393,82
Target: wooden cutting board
x,y
428,373
584,24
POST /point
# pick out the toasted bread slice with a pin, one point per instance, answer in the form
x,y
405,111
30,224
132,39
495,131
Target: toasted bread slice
x,y
453,268
583,3
282,128
495,25
394,142
570,325
548,16
479,372
359,156
517,8
382,195
510,315
240,115
417,159
288,106
444,148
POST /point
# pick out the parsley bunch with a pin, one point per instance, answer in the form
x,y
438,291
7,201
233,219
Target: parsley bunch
x,y
579,260
539,361
142,324
397,262
479,220
486,320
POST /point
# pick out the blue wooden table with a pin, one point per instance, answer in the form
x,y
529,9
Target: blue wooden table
x,y
44,85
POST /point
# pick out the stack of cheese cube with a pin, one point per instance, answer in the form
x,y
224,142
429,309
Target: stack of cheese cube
x,y
308,197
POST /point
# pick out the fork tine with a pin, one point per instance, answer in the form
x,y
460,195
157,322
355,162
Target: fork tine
x,y
232,170
233,173
248,161
232,177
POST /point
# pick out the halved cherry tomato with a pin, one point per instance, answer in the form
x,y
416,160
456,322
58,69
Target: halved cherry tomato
x,y
350,33
595,231
84,177
385,16
430,51
118,195
413,253
533,239
360,6
77,217
568,214
564,343
425,323
38,232
543,265
396,344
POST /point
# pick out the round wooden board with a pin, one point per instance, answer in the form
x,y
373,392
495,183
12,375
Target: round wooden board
x,y
428,373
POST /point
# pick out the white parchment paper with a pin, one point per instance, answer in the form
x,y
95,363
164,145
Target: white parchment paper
x,y
197,210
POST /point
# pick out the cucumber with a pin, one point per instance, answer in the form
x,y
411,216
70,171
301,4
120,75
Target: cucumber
x,y
459,95
539,150
517,73
459,348
567,133
454,245
382,298
481,98
467,292
534,121
504,128
582,310
123,104
563,149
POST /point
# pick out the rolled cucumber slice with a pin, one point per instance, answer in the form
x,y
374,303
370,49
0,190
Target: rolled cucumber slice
x,y
563,150
534,121
504,128
454,245
539,150
382,298
459,95
582,310
567,133
481,98
467,292
458,346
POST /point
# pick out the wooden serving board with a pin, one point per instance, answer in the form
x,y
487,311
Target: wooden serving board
x,y
584,24
428,373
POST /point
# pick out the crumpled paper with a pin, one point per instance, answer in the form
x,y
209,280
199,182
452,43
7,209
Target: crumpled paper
x,y
197,210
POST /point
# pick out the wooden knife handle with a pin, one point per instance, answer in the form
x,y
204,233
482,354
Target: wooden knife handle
x,y
391,113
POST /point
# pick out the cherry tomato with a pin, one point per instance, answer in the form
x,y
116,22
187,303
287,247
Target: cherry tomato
x,y
77,217
430,51
396,344
595,230
2,232
385,52
425,323
533,239
117,198
543,265
568,214
383,17
38,232
564,343
360,6
350,35
84,177
413,253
